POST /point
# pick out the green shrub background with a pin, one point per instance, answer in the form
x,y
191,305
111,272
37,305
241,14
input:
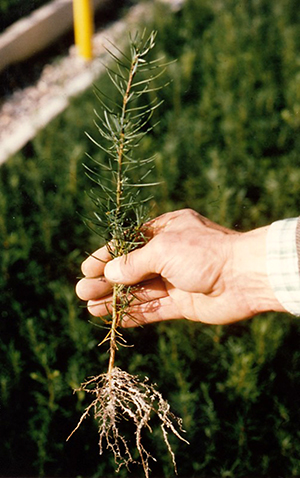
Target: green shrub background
x,y
228,146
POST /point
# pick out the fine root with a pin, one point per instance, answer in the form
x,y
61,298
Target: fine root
x,y
119,395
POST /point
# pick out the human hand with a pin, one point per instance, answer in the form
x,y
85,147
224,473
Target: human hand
x,y
189,268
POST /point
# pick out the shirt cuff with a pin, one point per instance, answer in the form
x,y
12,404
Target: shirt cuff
x,y
282,264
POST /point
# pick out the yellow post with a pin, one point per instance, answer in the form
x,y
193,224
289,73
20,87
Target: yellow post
x,y
83,27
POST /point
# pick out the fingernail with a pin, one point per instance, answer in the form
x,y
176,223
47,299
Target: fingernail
x,y
84,268
112,270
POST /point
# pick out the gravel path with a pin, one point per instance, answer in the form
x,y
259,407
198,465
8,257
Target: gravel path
x,y
30,109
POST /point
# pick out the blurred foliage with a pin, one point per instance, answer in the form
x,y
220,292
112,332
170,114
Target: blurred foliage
x,y
228,146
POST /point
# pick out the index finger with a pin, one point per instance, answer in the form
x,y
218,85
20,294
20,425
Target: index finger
x,y
94,265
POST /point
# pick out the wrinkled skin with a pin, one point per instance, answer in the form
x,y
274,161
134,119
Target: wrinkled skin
x,y
190,268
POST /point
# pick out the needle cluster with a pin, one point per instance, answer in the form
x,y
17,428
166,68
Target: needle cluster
x,y
119,214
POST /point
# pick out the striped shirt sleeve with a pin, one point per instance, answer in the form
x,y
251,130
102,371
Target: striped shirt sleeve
x,y
283,264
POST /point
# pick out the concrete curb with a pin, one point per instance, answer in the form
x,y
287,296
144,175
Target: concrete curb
x,y
32,34
24,128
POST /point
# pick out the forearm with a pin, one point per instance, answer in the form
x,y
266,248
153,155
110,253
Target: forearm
x,y
283,263
267,267
298,242
250,273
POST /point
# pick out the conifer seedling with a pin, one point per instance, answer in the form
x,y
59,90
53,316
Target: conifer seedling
x,y
118,216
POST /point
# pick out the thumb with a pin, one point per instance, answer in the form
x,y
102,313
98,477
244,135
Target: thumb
x,y
131,268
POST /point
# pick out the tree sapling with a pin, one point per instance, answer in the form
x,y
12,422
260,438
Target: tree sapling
x,y
119,215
